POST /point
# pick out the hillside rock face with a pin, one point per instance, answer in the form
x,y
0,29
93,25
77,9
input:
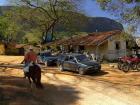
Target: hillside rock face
x,y
95,24
102,24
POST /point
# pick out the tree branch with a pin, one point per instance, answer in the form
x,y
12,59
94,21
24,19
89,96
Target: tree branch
x,y
32,5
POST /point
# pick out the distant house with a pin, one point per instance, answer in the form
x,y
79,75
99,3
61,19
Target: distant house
x,y
14,49
10,49
108,45
19,49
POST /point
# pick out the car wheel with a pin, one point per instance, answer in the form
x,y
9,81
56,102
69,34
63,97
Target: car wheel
x,y
120,65
81,71
61,68
138,67
126,68
98,71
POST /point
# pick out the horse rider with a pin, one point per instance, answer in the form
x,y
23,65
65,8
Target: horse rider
x,y
29,58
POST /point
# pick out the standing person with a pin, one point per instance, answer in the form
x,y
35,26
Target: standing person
x,y
93,56
29,58
88,54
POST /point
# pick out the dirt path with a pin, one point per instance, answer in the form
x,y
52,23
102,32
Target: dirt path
x,y
111,87
94,92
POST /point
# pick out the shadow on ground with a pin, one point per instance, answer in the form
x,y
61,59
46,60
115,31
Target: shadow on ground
x,y
99,73
73,73
16,91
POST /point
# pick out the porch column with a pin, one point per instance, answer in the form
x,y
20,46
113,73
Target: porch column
x,y
97,52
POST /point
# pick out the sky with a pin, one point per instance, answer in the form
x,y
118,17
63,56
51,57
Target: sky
x,y
92,8
3,2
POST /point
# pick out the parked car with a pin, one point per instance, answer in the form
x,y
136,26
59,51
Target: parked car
x,y
47,59
61,59
77,62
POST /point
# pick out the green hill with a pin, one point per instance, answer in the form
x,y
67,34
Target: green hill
x,y
92,24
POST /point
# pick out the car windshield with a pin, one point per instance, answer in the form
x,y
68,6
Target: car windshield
x,y
81,58
46,54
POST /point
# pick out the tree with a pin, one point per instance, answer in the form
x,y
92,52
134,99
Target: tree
x,y
130,40
127,10
3,27
32,37
47,14
8,28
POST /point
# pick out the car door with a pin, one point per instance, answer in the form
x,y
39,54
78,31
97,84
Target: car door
x,y
72,64
65,63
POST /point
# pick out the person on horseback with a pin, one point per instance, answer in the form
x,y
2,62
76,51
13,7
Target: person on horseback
x,y
29,59
32,69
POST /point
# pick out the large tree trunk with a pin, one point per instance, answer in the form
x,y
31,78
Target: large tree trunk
x,y
52,33
49,30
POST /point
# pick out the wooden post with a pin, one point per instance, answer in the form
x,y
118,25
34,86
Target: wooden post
x,y
96,55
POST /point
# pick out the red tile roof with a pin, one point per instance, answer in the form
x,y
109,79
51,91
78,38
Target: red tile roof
x,y
20,45
90,39
97,38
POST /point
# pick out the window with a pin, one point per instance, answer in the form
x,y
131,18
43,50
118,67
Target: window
x,y
72,59
128,46
66,58
117,45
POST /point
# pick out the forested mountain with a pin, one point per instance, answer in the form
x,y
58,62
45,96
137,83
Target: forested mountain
x,y
96,24
88,25
93,24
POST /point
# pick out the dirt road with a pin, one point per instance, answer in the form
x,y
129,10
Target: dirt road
x,y
111,87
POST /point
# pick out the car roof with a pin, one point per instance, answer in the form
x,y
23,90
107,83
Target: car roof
x,y
71,54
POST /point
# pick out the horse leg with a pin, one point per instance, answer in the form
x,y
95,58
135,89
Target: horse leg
x,y
30,81
34,81
39,81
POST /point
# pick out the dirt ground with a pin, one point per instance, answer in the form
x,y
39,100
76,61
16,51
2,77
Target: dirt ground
x,y
110,87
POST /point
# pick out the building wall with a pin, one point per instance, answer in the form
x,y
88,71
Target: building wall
x,y
103,49
113,53
107,50
90,48
99,51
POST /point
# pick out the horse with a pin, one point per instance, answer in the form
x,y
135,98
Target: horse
x,y
34,74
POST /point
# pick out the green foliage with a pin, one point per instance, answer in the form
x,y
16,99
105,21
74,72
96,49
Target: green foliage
x,y
3,26
103,3
8,27
45,16
128,36
32,37
128,11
